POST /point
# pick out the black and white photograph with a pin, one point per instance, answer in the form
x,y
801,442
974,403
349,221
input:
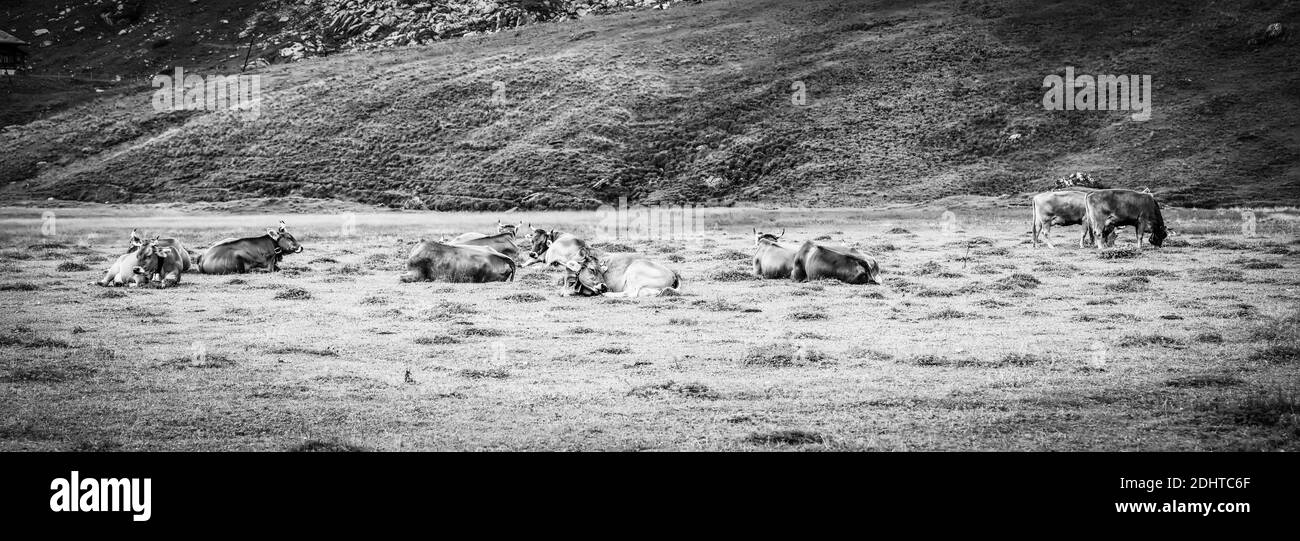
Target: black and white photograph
x,y
266,226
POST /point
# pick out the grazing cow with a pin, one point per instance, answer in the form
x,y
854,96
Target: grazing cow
x,y
1109,209
1062,207
432,260
139,255
771,260
815,261
617,275
232,256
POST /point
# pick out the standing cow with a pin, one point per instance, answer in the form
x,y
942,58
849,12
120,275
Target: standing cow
x,y
237,256
1109,209
1064,207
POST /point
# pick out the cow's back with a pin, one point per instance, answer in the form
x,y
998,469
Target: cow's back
x,y
224,257
774,261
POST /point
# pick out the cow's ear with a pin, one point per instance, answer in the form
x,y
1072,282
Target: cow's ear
x,y
273,234
573,266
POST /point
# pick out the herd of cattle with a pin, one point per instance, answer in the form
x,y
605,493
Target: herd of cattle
x,y
477,257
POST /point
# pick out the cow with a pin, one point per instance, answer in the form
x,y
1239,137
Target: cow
x,y
816,261
539,241
1061,207
616,275
237,256
1109,209
771,260
163,264
502,242
123,270
433,260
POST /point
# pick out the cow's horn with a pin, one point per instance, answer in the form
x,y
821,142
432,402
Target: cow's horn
x,y
282,226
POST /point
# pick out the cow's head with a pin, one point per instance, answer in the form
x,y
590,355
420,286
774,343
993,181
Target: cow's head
x,y
587,274
147,259
284,241
1158,236
760,236
151,260
868,272
540,240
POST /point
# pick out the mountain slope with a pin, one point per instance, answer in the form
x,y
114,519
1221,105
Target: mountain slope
x,y
905,101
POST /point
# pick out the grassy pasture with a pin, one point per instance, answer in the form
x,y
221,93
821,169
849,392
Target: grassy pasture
x,y
975,342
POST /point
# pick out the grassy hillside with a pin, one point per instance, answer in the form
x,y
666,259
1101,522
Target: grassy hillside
x,y
906,101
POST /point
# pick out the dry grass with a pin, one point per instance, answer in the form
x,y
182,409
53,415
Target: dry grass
x,y
994,363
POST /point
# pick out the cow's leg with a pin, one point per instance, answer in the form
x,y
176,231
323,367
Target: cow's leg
x,y
1140,229
1098,236
1047,230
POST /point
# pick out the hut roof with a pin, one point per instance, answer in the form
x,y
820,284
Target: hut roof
x,y
8,39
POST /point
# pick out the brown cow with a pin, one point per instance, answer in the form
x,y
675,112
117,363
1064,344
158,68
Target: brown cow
x,y
502,242
1109,209
772,260
816,261
138,256
232,255
1062,207
433,260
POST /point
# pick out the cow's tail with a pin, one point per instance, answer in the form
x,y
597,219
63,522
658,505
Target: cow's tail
x,y
198,260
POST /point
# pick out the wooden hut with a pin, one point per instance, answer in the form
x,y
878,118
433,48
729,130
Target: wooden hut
x,y
12,57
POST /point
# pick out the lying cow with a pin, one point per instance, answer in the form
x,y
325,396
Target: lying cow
x,y
772,260
1109,209
816,261
616,275
163,264
503,241
1064,207
138,257
433,260
237,256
